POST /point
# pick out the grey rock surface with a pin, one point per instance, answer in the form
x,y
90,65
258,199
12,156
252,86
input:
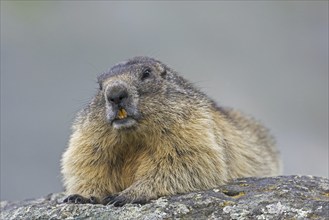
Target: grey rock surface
x,y
283,197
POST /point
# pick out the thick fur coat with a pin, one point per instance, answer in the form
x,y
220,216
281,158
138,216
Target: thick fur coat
x,y
172,139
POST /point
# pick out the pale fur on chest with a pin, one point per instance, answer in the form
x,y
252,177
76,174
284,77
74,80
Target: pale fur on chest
x,y
100,164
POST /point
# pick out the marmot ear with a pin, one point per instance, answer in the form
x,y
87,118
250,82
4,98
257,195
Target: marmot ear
x,y
163,73
162,69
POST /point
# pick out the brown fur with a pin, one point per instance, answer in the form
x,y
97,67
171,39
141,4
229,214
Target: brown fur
x,y
181,142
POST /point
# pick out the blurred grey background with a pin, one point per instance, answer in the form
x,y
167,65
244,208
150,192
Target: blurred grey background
x,y
266,58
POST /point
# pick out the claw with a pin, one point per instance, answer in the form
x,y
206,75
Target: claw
x,y
78,199
109,199
115,200
75,198
93,200
120,200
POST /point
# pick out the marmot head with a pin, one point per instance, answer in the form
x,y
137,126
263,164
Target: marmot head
x,y
143,89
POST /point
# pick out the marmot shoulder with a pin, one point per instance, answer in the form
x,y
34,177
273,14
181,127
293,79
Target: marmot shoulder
x,y
148,132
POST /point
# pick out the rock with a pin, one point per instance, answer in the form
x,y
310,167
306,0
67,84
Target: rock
x,y
283,197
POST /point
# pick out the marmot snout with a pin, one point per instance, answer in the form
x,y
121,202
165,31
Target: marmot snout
x,y
121,107
148,132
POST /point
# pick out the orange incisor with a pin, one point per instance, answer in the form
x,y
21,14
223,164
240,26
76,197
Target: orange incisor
x,y
122,113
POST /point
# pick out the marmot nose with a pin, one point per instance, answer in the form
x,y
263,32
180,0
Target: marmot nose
x,y
117,94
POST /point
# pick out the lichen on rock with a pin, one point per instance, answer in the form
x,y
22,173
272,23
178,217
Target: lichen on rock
x,y
283,197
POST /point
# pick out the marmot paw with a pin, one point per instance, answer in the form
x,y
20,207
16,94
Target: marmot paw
x,y
121,200
78,199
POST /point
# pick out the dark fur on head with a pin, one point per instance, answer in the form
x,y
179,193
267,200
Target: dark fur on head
x,y
150,84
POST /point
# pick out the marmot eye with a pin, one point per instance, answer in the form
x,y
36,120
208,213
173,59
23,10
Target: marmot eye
x,y
146,73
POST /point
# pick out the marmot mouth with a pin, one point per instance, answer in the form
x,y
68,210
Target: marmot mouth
x,y
123,123
123,120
